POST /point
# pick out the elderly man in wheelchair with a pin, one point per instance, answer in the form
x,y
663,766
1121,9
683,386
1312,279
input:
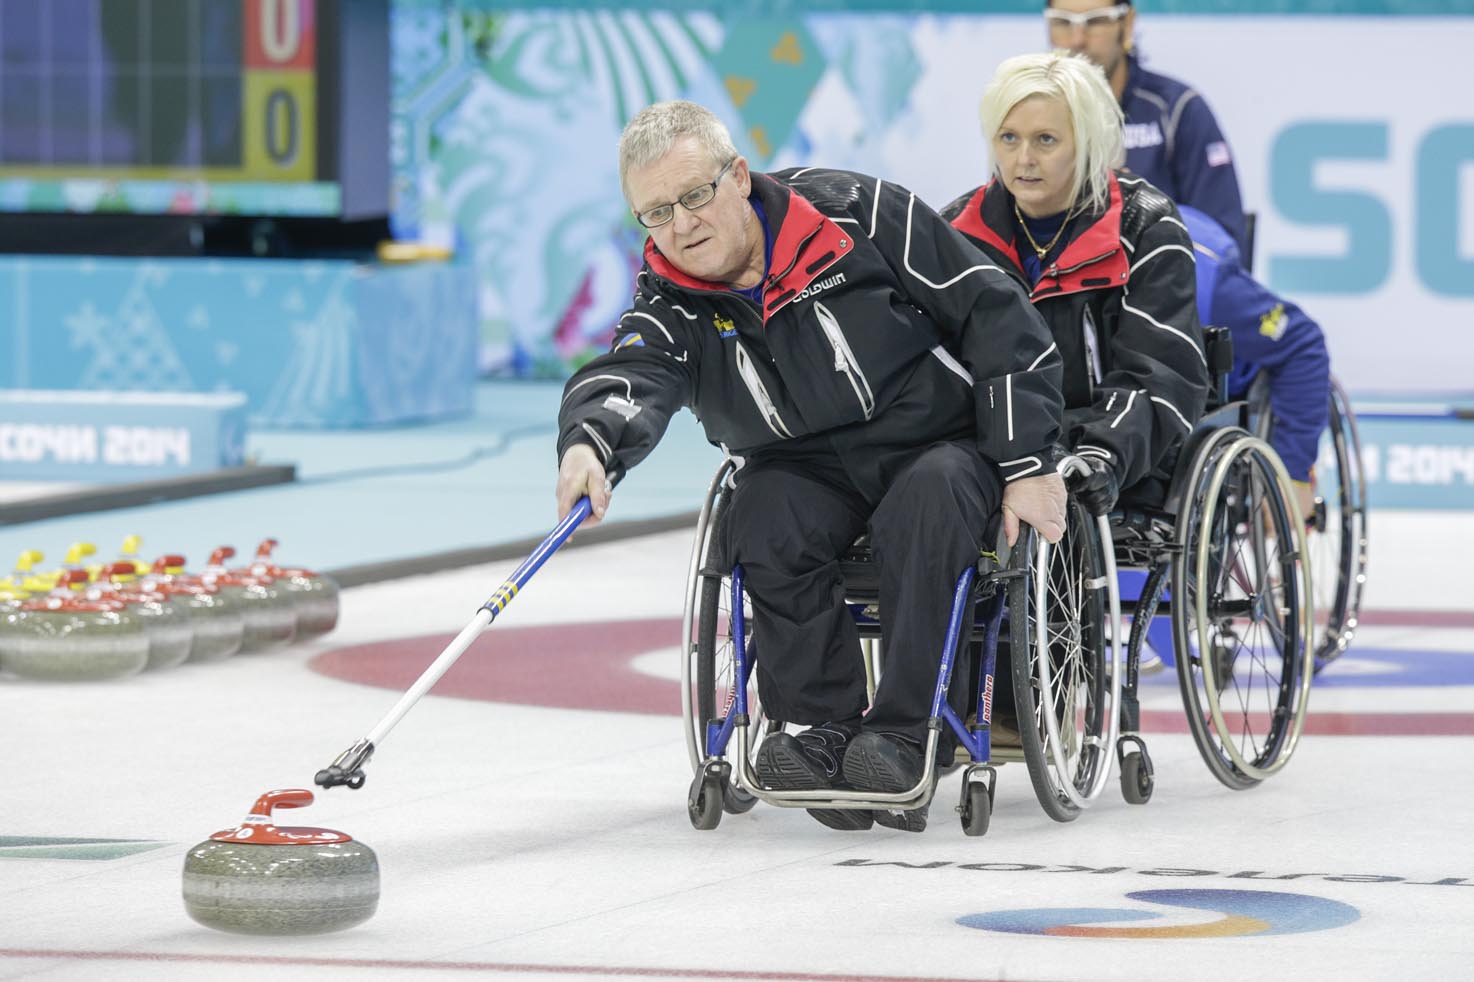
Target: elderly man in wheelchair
x,y
871,372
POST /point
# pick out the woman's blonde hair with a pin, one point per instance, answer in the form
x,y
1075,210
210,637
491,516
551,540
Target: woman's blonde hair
x,y
1094,113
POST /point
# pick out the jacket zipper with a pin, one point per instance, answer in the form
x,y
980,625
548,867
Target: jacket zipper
x,y
844,359
1054,272
759,393
1092,344
797,252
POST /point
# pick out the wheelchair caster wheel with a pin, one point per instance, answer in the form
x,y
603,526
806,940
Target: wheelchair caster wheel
x,y
1137,781
704,802
735,801
976,807
975,810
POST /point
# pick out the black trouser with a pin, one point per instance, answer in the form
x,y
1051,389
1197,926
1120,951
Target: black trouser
x,y
790,521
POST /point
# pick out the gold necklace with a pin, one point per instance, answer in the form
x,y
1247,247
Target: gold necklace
x,y
1043,250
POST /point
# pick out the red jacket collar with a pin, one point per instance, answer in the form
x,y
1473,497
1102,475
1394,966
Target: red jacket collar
x,y
805,244
665,268
1092,258
970,222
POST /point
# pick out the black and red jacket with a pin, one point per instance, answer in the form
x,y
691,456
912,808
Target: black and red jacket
x,y
1121,301
880,327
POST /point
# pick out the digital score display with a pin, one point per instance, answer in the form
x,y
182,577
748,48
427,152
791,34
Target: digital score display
x,y
164,106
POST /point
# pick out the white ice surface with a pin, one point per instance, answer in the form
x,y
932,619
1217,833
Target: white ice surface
x,y
520,842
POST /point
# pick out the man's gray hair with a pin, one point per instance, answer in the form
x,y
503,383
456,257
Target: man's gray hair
x,y
1094,113
656,128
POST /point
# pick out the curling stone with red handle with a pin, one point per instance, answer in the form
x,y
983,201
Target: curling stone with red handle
x,y
64,637
167,624
260,878
218,625
314,595
269,618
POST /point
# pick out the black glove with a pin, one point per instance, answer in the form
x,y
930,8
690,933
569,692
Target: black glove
x,y
1097,490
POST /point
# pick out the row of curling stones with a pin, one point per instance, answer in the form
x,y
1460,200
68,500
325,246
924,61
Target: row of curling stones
x,y
280,604
261,878
82,631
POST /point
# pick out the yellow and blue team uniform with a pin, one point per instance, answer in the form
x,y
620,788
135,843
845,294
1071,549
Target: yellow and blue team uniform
x,y
1272,338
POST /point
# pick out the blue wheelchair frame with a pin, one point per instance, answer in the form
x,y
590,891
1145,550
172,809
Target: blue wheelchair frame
x,y
977,744
988,584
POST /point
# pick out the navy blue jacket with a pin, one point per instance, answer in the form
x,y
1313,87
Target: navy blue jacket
x,y
1173,140
1270,336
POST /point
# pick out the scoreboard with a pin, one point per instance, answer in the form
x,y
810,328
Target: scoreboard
x,y
279,89
175,106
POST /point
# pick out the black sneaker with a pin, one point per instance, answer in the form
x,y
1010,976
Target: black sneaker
x,y
886,762
812,761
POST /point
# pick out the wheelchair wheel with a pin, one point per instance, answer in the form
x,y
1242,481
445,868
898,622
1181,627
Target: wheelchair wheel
x,y
1240,610
1338,532
1137,781
708,669
1067,700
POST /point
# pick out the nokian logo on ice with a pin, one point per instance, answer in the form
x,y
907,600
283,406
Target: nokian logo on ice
x,y
1244,913
814,289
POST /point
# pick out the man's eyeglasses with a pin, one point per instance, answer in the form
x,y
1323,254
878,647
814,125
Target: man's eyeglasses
x,y
697,197
1064,22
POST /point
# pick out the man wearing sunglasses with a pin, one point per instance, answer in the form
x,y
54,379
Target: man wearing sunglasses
x,y
871,372
1172,137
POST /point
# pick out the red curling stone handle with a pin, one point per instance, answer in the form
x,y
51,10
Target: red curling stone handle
x,y
289,798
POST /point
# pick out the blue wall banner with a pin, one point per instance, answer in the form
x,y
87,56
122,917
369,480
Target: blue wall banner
x,y
309,344
1413,463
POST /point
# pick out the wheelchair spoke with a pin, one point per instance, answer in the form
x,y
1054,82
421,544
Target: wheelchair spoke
x,y
1062,692
1078,691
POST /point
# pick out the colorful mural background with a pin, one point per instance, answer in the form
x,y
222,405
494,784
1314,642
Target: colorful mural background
x,y
506,122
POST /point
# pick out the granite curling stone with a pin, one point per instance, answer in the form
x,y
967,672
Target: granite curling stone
x,y
260,878
63,637
269,615
315,595
170,635
219,628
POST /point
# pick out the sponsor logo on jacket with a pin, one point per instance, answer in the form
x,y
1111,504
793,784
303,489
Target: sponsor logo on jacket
x,y
1144,135
818,287
724,325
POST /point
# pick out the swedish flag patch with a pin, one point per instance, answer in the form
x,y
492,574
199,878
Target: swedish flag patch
x,y
629,341
1272,325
